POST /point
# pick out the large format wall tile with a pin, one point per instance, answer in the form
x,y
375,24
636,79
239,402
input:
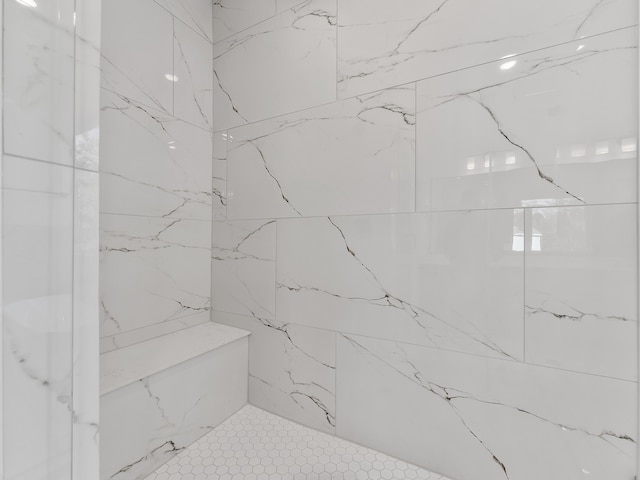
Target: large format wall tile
x,y
448,280
37,282
233,16
137,55
383,43
152,270
284,64
536,129
152,164
193,69
581,289
507,420
243,267
194,13
304,164
291,369
38,85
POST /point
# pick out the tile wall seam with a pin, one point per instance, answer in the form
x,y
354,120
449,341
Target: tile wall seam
x,y
416,81
155,217
512,362
276,14
466,210
137,104
181,21
147,326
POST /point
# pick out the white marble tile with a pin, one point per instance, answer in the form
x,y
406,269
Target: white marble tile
x,y
243,267
135,362
581,289
38,80
193,67
291,369
146,423
137,52
382,43
142,334
233,16
86,325
306,164
284,64
219,171
282,5
449,280
87,86
152,164
194,13
152,270
37,318
536,129
506,420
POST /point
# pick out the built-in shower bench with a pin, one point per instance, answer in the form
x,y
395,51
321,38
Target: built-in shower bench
x,y
161,395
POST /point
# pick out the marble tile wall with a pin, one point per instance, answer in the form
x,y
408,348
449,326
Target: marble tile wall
x,y
156,171
50,334
425,213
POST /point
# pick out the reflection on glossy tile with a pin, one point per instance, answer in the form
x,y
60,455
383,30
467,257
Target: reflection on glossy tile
x,y
233,16
243,270
152,164
194,13
304,164
251,83
448,280
143,73
291,369
37,318
385,43
581,289
434,407
39,80
525,131
152,270
87,87
194,70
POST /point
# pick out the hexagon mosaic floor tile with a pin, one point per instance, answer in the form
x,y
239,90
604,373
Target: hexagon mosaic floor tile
x,y
257,445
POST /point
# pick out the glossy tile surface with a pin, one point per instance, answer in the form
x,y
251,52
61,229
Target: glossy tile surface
x,y
429,405
449,280
243,267
254,444
152,164
37,318
381,43
251,83
233,16
152,270
38,86
291,369
193,71
303,165
138,73
196,14
219,171
581,289
133,363
536,129
168,411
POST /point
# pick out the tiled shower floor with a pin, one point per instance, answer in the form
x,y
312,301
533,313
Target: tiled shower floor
x,y
256,445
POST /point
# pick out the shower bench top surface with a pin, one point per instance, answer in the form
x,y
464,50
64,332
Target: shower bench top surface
x,y
127,365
